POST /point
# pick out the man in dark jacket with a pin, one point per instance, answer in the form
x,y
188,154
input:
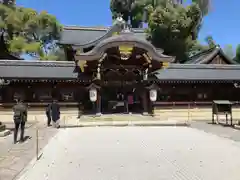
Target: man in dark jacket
x,y
20,118
55,109
48,114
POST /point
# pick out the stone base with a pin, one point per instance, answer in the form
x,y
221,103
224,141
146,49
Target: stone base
x,y
2,127
98,114
145,114
237,127
5,133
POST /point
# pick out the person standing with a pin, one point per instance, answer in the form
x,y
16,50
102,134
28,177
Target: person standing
x,y
20,118
55,112
48,114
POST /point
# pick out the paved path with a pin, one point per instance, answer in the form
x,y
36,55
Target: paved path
x,y
13,158
137,153
219,130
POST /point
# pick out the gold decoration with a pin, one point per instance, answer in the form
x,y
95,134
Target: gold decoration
x,y
150,57
147,58
78,51
165,64
82,64
102,58
115,33
125,51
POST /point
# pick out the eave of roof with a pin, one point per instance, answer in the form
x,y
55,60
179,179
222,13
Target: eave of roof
x,y
125,37
199,72
10,69
208,55
64,70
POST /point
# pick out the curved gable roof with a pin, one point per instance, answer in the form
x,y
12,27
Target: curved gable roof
x,y
124,38
205,57
90,36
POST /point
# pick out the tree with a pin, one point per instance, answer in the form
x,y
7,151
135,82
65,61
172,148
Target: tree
x,y
8,2
174,28
211,43
28,31
171,26
228,50
135,10
237,56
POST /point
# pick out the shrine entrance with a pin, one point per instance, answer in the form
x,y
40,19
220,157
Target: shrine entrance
x,y
120,100
119,73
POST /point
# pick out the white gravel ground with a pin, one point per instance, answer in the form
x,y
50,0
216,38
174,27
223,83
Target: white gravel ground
x,y
137,153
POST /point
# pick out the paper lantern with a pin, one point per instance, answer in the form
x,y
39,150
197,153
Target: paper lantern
x,y
93,94
153,95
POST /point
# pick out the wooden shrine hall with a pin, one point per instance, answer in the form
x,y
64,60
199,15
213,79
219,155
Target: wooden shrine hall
x,y
116,69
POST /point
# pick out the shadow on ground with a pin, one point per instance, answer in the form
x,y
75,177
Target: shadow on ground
x,y
221,130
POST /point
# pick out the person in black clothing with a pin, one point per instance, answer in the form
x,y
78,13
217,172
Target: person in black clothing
x,y
55,109
48,114
20,118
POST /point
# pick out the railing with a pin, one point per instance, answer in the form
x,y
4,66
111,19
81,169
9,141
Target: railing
x,y
191,111
193,104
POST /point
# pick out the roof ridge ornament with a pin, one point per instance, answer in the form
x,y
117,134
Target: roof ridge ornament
x,y
119,20
126,28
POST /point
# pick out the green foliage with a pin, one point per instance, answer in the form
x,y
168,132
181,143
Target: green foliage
x,y
228,50
133,10
204,5
237,57
28,31
171,26
174,28
211,43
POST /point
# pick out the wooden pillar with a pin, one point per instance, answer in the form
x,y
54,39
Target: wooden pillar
x,y
98,104
126,103
145,103
151,107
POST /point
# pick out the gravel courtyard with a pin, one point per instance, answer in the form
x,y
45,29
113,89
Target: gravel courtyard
x,y
137,153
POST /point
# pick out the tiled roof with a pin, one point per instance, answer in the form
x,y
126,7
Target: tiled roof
x,y
199,72
14,69
208,55
126,37
90,36
37,69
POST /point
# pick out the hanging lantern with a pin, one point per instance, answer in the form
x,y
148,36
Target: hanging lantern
x,y
93,94
153,95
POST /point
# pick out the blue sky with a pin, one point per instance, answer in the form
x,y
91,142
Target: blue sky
x,y
223,22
